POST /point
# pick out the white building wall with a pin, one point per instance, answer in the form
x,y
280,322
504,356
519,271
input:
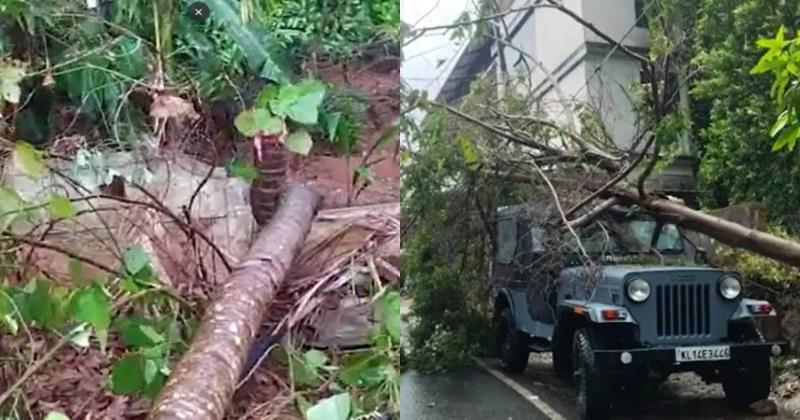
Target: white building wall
x,y
615,18
610,91
571,54
552,104
556,36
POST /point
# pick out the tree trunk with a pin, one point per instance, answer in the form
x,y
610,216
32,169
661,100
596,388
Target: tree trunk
x,y
270,181
204,380
727,232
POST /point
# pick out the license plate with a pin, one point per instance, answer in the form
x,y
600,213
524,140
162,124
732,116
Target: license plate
x,y
701,354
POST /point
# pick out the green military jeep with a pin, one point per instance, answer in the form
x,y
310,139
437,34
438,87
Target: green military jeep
x,y
632,299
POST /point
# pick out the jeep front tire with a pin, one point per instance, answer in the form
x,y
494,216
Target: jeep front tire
x,y
593,384
746,383
512,344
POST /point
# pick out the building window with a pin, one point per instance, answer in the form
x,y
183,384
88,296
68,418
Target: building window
x,y
641,18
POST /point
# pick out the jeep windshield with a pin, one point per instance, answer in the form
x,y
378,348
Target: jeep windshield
x,y
628,235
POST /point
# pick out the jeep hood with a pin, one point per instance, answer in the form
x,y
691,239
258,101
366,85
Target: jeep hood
x,y
617,273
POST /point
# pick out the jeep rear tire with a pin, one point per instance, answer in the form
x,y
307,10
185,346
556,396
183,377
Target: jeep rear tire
x,y
593,384
512,344
747,382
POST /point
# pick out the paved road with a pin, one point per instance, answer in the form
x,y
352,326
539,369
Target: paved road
x,y
466,394
473,394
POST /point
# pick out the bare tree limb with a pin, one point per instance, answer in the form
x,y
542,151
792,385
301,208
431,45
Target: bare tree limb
x,y
591,214
612,182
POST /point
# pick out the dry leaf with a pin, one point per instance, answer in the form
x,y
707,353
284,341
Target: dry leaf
x,y
169,106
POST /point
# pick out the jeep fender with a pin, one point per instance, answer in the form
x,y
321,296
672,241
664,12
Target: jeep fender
x,y
502,300
619,332
517,301
743,311
593,312
744,322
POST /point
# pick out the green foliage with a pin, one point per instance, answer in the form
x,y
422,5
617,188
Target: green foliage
x,y
336,407
299,142
453,323
85,309
56,415
782,59
446,252
61,207
336,29
145,368
30,159
264,55
732,111
11,74
135,259
239,168
341,117
258,121
756,268
370,377
99,66
281,106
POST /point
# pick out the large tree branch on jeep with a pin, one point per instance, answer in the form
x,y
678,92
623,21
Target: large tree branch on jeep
x,y
727,232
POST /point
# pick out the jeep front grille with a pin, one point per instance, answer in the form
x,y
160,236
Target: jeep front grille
x,y
684,310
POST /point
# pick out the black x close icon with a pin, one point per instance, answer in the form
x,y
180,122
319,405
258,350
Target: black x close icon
x,y
198,11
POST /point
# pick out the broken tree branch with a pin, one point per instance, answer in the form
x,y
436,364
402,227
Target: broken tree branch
x,y
613,181
205,379
724,231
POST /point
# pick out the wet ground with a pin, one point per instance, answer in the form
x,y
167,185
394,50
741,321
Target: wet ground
x,y
468,394
473,393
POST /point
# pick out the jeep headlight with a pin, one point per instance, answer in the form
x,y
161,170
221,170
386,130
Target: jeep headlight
x,y
638,290
730,287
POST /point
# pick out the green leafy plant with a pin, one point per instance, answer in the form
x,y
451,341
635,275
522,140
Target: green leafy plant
x,y
337,30
732,111
782,59
369,379
85,309
282,113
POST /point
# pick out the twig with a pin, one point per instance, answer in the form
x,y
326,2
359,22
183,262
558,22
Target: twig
x,y
561,210
36,366
157,206
197,190
184,226
11,237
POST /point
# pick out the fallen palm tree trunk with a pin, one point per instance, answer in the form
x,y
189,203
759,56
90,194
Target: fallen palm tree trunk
x,y
205,379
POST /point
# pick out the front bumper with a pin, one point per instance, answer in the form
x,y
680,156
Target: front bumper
x,y
664,357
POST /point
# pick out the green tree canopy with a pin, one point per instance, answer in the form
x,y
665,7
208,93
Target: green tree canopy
x,y
733,111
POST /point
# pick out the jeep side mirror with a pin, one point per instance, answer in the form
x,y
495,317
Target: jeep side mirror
x,y
701,256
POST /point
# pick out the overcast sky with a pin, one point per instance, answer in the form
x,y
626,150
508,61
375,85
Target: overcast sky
x,y
429,59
